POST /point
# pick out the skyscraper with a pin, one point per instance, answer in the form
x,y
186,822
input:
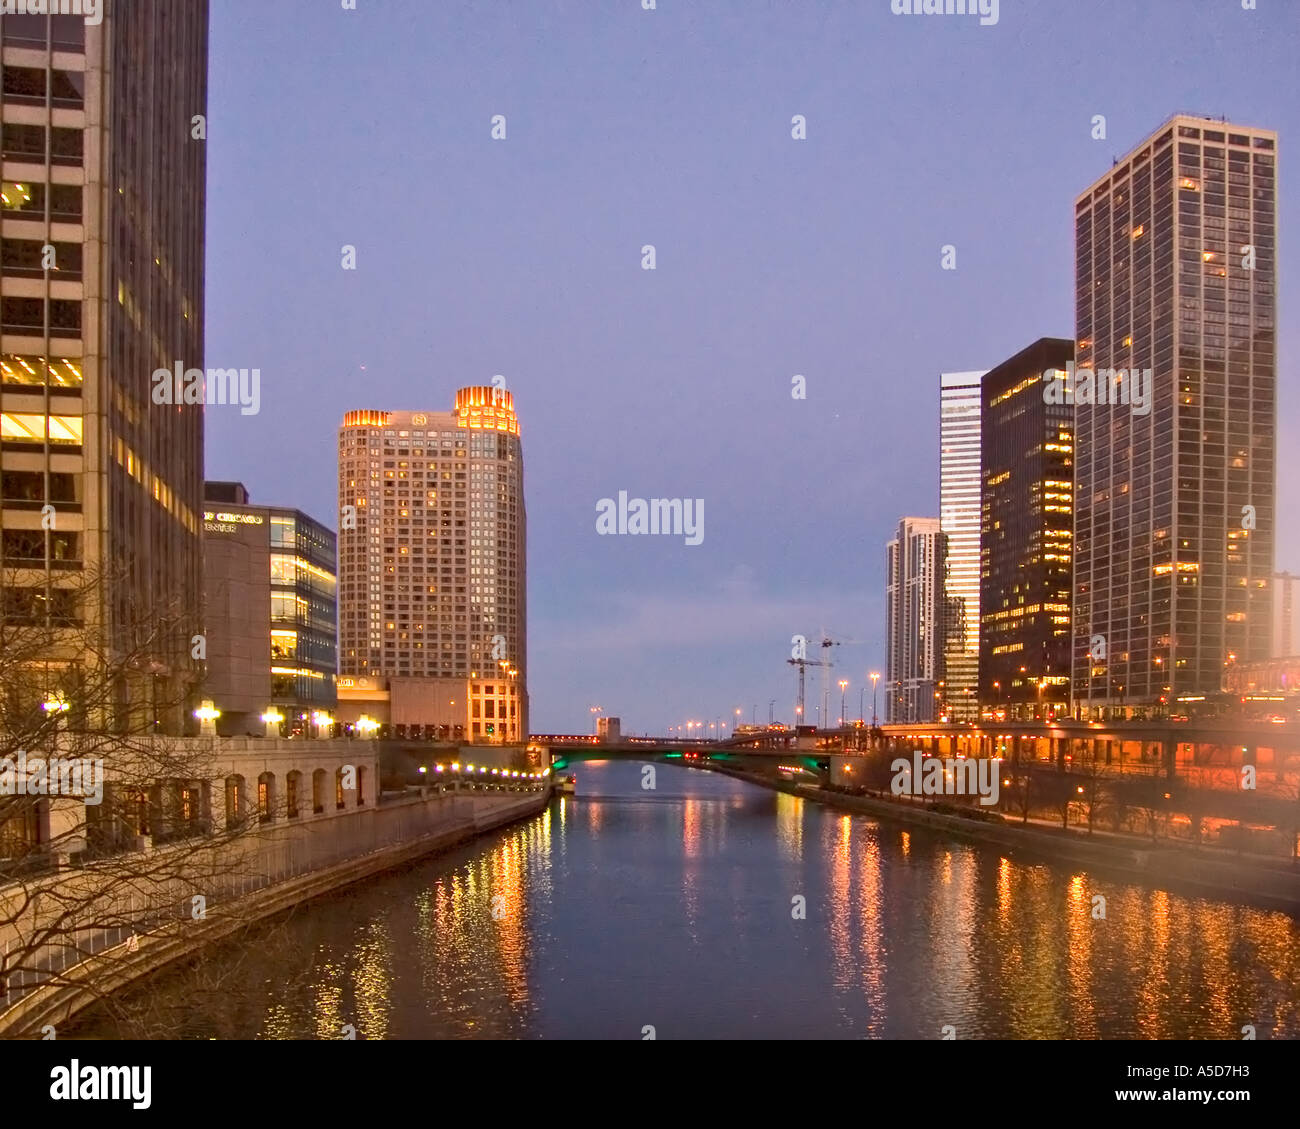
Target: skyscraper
x,y
914,627
1176,271
432,585
959,514
1027,528
102,255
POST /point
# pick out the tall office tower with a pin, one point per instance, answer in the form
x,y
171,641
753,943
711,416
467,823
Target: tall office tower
x,y
914,626
101,255
959,514
1176,273
432,593
1026,535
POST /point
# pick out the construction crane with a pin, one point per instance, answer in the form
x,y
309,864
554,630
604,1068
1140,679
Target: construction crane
x,y
827,640
802,664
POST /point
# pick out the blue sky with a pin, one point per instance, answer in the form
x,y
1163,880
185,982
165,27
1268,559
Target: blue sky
x,y
775,257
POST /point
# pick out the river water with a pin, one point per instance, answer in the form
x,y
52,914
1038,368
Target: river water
x,y
676,909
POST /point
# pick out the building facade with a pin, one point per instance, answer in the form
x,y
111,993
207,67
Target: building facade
x,y
270,612
1026,536
432,559
959,516
1176,272
101,284
914,623
1284,594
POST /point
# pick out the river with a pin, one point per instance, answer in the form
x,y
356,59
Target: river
x,y
625,913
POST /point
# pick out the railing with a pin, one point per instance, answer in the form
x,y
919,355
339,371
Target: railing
x,y
280,852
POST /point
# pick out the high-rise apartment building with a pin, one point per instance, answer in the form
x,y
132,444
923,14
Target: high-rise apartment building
x,y
101,261
1026,536
959,515
432,596
1176,275
914,625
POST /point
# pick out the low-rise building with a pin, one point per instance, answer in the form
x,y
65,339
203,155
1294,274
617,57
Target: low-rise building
x,y
270,612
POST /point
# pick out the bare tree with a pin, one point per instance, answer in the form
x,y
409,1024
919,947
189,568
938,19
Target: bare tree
x,y
107,833
1091,782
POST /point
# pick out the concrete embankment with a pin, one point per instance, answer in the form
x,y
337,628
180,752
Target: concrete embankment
x,y
109,971
1270,883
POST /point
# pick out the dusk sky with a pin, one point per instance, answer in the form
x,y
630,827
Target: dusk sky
x,y
775,257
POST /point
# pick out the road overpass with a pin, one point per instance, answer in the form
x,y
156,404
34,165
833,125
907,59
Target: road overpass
x,y
768,752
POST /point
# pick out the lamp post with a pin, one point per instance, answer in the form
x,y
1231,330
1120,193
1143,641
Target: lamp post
x,y
207,714
875,677
844,682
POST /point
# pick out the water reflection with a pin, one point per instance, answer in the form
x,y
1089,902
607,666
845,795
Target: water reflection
x,y
622,907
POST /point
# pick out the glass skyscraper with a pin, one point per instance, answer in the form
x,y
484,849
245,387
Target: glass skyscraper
x,y
959,516
1176,272
1027,529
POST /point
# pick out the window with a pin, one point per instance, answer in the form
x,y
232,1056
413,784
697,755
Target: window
x,y
29,486
236,802
189,808
18,196
318,791
340,801
265,797
61,372
64,32
27,257
18,428
66,146
23,142
27,85
26,316
27,547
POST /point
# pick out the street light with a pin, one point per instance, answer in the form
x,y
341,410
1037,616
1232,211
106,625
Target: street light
x,y
875,677
843,684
